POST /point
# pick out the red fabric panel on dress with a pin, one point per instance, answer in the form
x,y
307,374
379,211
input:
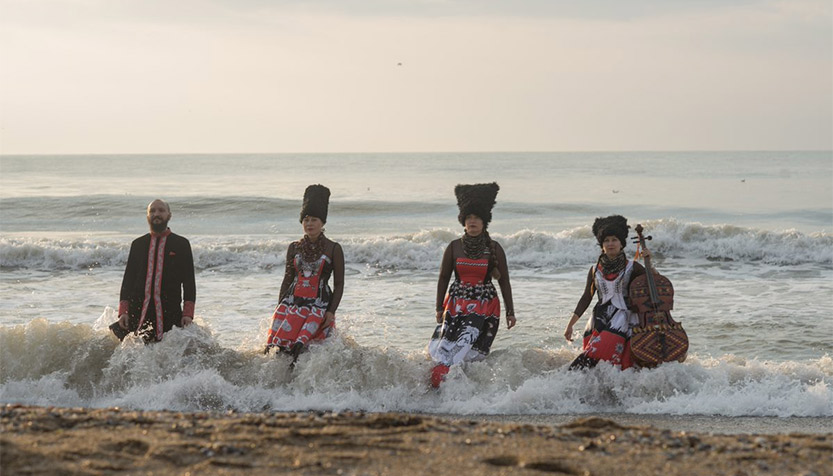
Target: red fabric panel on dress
x,y
490,307
472,271
438,375
608,346
307,287
292,324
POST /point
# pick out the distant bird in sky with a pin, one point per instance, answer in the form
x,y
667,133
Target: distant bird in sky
x,y
615,191
398,64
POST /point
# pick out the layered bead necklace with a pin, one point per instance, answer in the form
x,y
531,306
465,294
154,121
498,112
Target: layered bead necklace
x,y
475,246
311,251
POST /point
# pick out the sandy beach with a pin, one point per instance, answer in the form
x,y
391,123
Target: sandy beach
x,y
39,440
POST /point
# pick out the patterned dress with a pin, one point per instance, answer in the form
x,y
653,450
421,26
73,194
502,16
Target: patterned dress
x,y
299,315
472,315
608,331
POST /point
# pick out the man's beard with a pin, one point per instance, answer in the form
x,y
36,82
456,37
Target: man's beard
x,y
158,227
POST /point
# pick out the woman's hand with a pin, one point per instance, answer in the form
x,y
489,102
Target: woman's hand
x,y
329,318
439,317
510,322
568,332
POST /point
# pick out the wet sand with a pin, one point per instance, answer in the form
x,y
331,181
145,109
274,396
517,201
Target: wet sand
x,y
689,423
37,440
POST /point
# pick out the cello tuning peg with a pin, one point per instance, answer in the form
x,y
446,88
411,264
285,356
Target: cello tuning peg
x,y
649,237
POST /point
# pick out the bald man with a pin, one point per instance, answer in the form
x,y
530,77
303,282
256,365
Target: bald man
x,y
159,274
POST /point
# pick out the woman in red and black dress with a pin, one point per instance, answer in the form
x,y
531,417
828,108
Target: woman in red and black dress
x,y
307,305
608,331
469,314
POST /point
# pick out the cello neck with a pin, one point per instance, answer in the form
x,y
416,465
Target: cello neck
x,y
649,268
652,284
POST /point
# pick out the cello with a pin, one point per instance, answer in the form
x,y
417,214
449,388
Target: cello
x,y
658,338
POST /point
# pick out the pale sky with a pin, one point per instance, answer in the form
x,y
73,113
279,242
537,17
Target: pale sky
x,y
223,76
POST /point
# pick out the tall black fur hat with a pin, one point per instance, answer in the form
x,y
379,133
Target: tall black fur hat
x,y
614,225
477,199
316,202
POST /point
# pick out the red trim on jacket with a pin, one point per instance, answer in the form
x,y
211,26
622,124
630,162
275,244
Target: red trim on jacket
x,y
156,256
188,309
148,281
157,285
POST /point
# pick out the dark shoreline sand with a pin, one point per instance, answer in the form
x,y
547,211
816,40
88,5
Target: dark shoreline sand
x,y
712,424
38,440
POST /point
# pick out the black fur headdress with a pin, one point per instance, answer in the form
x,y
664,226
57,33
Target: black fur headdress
x,y
477,199
316,202
614,225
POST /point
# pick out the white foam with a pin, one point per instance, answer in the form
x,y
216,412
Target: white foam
x,y
49,390
190,371
422,250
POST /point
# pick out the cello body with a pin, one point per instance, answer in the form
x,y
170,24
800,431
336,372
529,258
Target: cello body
x,y
658,338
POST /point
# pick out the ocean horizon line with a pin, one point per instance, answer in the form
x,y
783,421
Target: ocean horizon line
x,y
437,152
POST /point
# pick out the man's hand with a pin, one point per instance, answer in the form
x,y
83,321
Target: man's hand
x,y
187,320
123,321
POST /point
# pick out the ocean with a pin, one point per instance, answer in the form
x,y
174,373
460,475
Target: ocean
x,y
745,237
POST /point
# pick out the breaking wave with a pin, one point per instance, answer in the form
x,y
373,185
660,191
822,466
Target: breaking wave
x,y
422,250
65,364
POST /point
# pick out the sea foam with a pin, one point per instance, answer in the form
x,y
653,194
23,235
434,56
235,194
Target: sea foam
x,y
423,249
66,364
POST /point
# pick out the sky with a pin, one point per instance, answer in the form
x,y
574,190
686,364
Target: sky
x,y
258,76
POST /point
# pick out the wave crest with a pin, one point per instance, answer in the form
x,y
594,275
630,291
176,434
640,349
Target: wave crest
x,y
423,249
